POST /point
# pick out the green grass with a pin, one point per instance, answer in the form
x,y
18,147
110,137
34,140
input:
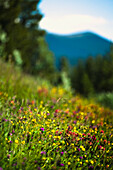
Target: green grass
x,y
46,127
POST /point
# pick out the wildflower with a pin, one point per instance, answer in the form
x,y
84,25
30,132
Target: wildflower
x,y
1,168
44,158
12,102
32,102
23,142
42,129
92,162
13,131
62,164
90,167
8,156
69,163
15,164
78,159
74,122
43,152
83,149
62,153
79,149
16,141
6,138
93,121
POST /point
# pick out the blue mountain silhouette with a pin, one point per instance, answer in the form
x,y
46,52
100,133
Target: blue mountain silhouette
x,y
77,46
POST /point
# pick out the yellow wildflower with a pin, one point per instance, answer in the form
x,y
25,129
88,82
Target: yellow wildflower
x,y
16,141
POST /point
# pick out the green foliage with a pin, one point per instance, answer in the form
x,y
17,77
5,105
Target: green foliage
x,y
66,81
77,76
105,99
95,75
45,64
17,56
3,40
64,65
20,21
87,85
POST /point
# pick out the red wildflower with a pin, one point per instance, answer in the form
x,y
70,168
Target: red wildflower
x,y
33,102
57,110
56,131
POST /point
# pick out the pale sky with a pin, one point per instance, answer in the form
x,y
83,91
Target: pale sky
x,y
73,16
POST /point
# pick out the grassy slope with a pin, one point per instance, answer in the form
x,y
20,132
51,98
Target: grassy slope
x,y
44,127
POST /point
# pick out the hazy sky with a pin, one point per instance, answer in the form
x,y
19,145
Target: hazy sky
x,y
71,16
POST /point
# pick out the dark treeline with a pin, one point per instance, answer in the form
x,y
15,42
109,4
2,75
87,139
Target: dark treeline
x,y
21,40
95,75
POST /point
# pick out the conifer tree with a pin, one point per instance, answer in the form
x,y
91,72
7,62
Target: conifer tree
x,y
20,20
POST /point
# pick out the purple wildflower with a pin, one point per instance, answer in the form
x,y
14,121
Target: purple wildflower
x,y
79,149
52,107
62,153
21,108
1,168
91,167
43,152
15,164
8,156
13,131
62,164
14,107
5,120
42,129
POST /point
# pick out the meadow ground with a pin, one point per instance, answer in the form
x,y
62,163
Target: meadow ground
x,y
45,127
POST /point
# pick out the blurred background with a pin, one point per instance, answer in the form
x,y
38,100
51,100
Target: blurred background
x,y
64,42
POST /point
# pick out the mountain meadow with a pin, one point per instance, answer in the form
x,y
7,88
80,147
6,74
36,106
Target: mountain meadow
x,y
56,95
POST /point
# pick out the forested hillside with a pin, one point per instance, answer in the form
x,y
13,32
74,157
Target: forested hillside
x,y
77,46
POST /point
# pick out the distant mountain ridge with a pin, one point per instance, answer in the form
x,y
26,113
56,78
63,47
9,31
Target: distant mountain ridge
x,y
77,46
